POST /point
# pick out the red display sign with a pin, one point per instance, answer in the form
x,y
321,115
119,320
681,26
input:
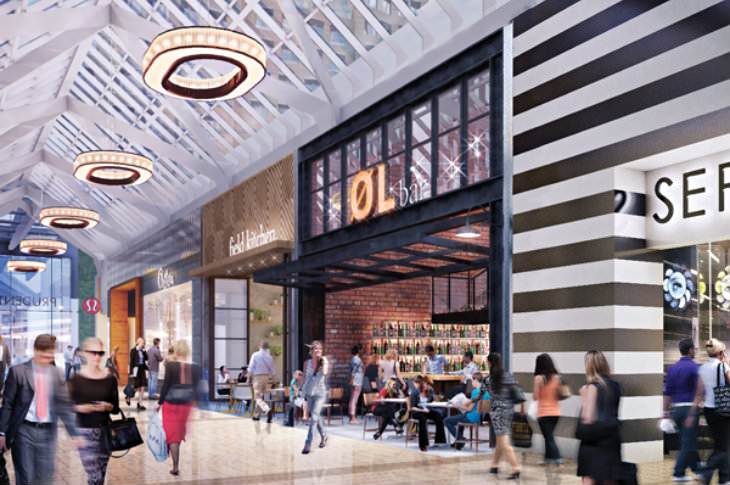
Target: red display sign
x,y
92,305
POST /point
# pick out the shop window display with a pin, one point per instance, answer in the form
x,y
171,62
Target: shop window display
x,y
168,315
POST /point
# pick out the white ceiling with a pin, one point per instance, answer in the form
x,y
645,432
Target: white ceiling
x,y
70,81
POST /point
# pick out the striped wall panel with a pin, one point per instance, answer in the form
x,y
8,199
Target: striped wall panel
x,y
603,90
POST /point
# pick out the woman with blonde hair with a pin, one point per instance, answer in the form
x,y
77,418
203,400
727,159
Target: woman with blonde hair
x,y
388,367
113,364
386,411
599,455
95,395
179,390
314,389
712,374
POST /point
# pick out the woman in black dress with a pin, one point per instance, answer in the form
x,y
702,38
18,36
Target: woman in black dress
x,y
94,393
599,455
137,371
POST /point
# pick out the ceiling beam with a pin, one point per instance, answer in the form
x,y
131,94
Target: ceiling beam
x,y
16,116
22,230
8,166
416,23
400,53
34,24
455,17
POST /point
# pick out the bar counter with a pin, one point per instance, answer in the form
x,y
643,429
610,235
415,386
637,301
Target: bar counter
x,y
440,381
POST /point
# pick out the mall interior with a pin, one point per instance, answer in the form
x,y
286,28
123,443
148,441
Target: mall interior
x,y
511,177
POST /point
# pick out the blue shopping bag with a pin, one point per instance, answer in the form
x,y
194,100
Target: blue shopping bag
x,y
156,439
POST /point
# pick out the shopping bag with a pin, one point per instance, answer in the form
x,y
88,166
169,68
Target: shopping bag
x,y
521,431
156,439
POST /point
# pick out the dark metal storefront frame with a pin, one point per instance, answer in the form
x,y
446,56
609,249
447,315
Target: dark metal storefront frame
x,y
323,263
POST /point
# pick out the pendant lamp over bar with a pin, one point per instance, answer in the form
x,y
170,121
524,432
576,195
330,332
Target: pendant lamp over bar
x,y
173,48
22,266
68,218
467,231
108,167
43,247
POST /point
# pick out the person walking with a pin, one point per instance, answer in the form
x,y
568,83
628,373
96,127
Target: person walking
x,y
68,358
314,389
4,361
599,453
501,409
261,369
35,397
179,391
680,387
356,377
112,363
155,357
546,390
712,374
78,361
388,367
137,366
95,396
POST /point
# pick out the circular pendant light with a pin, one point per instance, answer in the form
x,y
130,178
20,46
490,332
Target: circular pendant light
x,y
22,266
108,167
43,247
68,218
171,49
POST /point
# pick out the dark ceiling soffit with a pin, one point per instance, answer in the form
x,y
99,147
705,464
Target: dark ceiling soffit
x,y
470,197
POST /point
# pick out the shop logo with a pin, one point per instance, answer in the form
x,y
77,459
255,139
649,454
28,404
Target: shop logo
x,y
248,240
165,279
6,300
367,195
92,305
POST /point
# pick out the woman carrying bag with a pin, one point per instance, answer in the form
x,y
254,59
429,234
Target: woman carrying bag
x,y
546,392
94,393
179,390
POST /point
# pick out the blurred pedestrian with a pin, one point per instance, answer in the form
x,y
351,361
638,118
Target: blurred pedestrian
x,y
137,372
680,387
599,454
4,361
712,374
316,369
356,376
261,369
500,386
546,391
95,395
154,359
179,391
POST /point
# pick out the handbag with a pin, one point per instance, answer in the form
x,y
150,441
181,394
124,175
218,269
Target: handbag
x,y
532,410
722,394
564,391
129,390
121,434
628,473
606,424
521,431
516,394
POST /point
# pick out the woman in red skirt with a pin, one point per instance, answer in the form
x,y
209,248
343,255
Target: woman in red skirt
x,y
179,391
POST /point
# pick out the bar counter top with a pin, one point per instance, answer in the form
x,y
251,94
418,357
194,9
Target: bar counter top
x,y
433,377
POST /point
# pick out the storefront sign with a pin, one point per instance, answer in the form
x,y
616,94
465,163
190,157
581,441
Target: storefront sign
x,y
8,300
248,240
367,195
689,202
165,279
92,305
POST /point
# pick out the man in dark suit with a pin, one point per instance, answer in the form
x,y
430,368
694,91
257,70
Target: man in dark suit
x,y
35,396
4,361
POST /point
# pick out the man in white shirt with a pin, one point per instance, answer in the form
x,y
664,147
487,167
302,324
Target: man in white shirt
x,y
468,370
260,370
434,363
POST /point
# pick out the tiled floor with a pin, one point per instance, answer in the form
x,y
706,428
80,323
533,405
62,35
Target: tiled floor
x,y
224,449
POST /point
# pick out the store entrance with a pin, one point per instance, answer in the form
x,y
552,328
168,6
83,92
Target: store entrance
x,y
125,322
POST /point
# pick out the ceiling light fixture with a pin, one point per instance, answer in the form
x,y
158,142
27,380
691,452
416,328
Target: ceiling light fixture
x,y
173,48
23,266
68,218
43,247
109,167
467,232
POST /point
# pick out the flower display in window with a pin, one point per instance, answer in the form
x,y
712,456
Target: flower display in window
x,y
678,288
722,288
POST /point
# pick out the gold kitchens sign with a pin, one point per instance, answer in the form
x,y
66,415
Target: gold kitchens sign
x,y
251,215
367,194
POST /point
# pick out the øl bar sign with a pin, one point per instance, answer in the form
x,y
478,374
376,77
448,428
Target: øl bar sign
x,y
367,195
689,203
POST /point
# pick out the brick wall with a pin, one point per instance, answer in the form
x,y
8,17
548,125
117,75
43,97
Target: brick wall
x,y
349,316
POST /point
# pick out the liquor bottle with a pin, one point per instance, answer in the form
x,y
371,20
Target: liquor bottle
x,y
375,330
385,347
418,348
448,348
373,349
402,366
453,332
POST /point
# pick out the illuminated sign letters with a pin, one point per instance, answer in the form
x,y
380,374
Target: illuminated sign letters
x,y
691,199
248,240
367,195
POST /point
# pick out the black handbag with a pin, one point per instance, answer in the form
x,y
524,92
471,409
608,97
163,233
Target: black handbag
x,y
629,474
606,424
521,431
722,394
518,397
120,435
129,390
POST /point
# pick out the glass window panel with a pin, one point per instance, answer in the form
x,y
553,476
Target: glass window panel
x,y
230,293
230,323
317,213
335,166
374,147
335,207
450,165
478,150
317,174
231,353
348,209
421,122
396,135
421,172
449,103
478,87
353,156
397,179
